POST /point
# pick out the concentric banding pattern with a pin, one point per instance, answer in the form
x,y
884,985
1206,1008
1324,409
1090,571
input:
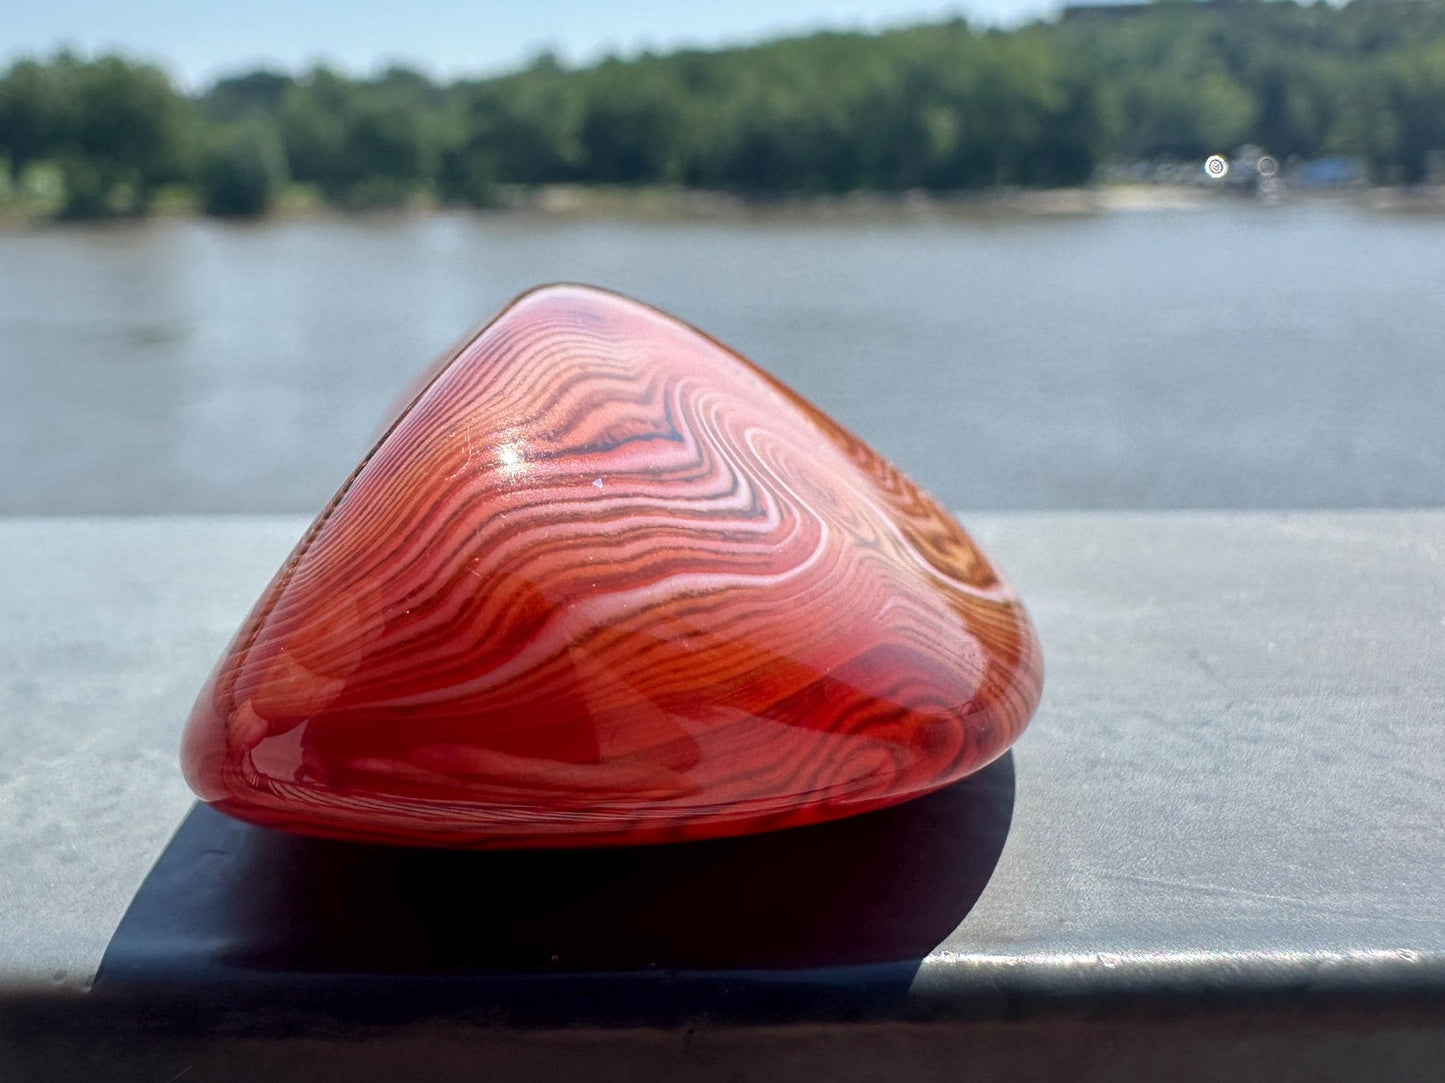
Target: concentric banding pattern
x,y
603,582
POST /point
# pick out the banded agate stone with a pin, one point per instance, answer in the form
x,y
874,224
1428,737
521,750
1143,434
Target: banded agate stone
x,y
605,582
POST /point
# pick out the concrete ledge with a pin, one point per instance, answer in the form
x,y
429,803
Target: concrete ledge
x,y
1222,831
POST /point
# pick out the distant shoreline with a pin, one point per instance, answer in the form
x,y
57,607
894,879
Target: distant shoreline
x,y
582,202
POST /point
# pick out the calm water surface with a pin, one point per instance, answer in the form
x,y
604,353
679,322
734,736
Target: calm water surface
x,y
1232,356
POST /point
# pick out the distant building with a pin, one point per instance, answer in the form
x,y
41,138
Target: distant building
x,y
1333,172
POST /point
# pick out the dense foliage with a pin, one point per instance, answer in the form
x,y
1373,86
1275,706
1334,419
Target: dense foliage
x,y
941,107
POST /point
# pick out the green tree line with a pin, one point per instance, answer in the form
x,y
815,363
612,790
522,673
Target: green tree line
x,y
941,107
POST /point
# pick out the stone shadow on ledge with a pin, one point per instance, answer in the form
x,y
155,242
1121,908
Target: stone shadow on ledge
x,y
824,921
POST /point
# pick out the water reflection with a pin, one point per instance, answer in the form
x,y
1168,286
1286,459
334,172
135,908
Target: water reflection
x,y
1232,356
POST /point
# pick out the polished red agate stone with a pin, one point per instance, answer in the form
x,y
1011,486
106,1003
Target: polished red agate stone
x,y
605,582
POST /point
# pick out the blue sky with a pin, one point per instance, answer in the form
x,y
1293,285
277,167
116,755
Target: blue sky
x,y
197,41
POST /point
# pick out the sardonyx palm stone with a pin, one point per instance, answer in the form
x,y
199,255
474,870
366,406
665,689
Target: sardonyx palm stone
x,y
603,581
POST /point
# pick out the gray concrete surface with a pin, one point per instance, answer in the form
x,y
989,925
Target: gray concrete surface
x,y
1225,859
107,628
1236,771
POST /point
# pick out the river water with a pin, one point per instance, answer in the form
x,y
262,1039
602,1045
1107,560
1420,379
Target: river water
x,y
1229,356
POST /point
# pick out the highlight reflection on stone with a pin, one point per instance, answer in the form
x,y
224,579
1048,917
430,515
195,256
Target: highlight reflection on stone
x,y
605,582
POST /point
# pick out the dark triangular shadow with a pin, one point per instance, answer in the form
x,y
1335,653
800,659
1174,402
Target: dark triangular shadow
x,y
229,902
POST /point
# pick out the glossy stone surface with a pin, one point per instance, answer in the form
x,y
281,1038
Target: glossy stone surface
x,y
605,582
